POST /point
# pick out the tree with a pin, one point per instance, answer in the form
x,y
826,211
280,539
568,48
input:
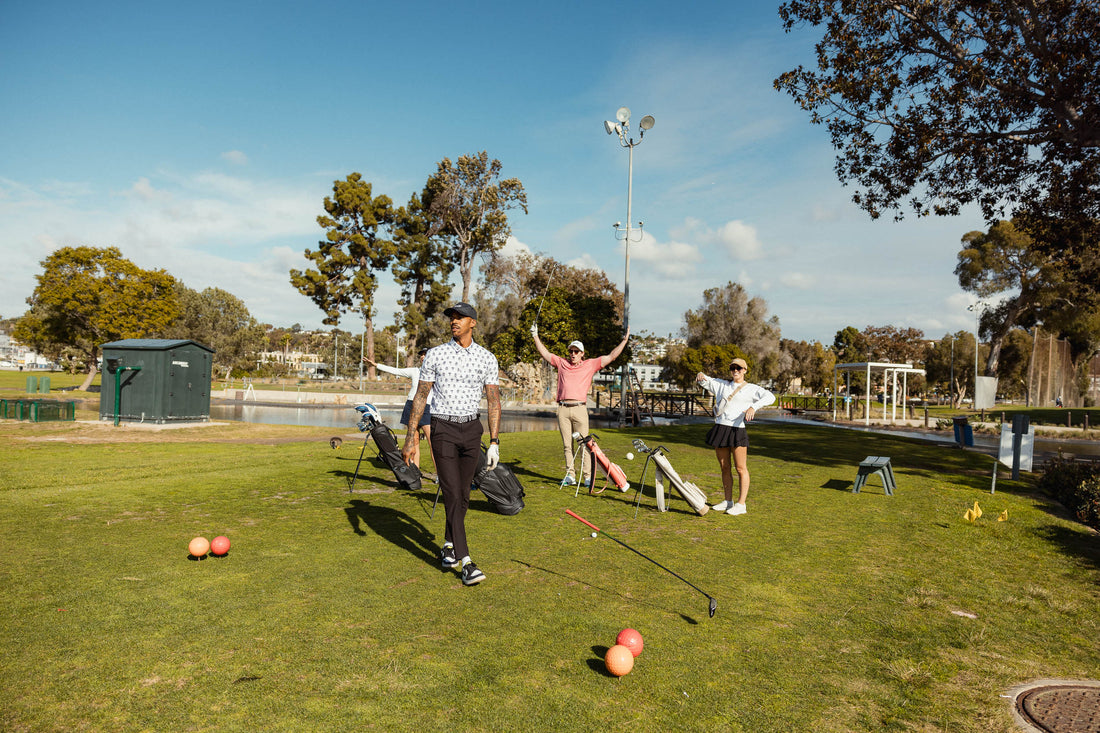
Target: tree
x,y
469,205
509,284
566,315
682,366
218,319
422,269
937,105
88,296
354,248
810,363
953,355
1000,261
729,316
893,344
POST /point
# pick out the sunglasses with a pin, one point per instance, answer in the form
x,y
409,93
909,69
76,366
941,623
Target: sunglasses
x,y
736,368
575,351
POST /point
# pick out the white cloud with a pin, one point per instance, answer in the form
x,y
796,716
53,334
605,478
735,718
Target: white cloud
x,y
798,280
236,157
669,259
737,238
513,247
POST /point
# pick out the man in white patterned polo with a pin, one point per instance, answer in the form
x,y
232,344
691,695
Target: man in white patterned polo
x,y
456,374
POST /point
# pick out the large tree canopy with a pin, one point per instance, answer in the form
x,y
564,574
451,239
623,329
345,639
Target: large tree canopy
x,y
468,204
936,105
355,246
422,268
729,316
88,296
220,320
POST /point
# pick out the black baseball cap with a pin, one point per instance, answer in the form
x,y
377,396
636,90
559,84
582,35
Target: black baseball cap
x,y
461,309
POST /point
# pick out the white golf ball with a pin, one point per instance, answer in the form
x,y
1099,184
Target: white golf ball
x,y
630,456
593,535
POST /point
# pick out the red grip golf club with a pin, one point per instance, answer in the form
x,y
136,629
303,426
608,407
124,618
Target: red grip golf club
x,y
582,519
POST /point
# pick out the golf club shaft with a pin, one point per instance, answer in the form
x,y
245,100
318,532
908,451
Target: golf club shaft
x,y
544,291
662,567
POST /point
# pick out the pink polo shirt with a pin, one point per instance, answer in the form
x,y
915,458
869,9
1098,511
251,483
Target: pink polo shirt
x,y
574,381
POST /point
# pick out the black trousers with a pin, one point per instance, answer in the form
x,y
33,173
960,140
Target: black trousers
x,y
456,448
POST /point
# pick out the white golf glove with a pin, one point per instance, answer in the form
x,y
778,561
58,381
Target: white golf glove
x,y
535,330
492,456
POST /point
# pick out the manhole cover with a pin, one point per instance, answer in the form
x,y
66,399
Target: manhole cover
x,y
1060,707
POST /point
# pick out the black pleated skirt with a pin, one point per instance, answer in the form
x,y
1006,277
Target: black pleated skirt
x,y
723,436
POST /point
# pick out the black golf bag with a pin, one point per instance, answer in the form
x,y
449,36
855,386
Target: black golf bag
x,y
500,486
408,477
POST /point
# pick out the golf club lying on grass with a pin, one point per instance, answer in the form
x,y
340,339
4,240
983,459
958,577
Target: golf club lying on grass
x,y
713,601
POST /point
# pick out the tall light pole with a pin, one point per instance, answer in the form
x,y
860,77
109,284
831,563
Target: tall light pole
x,y
622,129
977,308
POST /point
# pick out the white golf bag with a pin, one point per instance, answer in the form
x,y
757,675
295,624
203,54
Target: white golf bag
x,y
691,493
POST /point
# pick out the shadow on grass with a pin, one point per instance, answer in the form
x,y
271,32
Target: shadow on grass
x,y
598,665
1081,543
395,526
608,591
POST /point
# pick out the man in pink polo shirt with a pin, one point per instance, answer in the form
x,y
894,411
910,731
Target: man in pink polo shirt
x,y
574,380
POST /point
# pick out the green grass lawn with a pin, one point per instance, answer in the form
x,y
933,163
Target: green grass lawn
x,y
836,611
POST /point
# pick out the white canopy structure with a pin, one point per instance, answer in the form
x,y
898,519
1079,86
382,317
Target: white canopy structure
x,y
868,367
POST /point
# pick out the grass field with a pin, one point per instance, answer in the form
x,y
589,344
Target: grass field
x,y
836,611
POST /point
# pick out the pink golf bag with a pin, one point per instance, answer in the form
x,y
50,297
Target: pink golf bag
x,y
609,469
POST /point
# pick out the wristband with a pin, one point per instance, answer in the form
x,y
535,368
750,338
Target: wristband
x,y
494,441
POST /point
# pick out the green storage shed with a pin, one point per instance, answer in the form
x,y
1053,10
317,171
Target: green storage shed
x,y
155,380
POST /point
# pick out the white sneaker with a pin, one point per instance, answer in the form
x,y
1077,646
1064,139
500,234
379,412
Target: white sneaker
x,y
722,506
737,509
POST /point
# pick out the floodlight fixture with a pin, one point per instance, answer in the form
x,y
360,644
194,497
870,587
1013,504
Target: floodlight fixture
x,y
623,114
646,123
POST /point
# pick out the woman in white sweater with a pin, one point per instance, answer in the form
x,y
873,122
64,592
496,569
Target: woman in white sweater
x,y
736,402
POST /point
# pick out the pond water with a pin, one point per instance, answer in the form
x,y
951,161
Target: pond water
x,y
345,416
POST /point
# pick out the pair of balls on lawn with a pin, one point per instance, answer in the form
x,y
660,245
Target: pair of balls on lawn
x,y
620,658
199,546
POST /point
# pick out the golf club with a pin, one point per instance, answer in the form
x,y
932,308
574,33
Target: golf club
x,y
713,601
544,291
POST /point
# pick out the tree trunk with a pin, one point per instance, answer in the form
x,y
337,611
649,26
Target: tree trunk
x,y
368,325
88,379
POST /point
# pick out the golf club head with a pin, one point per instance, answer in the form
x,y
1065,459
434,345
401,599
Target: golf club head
x,y
713,606
640,446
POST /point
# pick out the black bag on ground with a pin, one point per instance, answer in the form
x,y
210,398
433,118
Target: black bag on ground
x,y
408,477
500,486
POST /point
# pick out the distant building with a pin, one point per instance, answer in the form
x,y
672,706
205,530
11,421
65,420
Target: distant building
x,y
648,375
14,355
298,362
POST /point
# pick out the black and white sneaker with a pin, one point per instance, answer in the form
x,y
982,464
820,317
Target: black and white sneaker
x,y
447,556
471,575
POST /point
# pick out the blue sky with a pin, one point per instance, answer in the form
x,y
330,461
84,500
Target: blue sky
x,y
202,139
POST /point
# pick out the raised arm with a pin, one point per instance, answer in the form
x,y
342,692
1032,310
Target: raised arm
x,y
605,360
543,352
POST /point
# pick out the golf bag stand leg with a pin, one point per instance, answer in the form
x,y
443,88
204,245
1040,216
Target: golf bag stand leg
x,y
358,463
641,486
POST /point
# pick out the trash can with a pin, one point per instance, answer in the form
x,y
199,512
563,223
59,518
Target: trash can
x,y
32,384
44,385
964,431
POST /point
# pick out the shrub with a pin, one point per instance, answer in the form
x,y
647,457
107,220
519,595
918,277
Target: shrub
x,y
1076,485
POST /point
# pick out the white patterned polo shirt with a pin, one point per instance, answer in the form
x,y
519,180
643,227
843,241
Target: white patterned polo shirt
x,y
458,376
